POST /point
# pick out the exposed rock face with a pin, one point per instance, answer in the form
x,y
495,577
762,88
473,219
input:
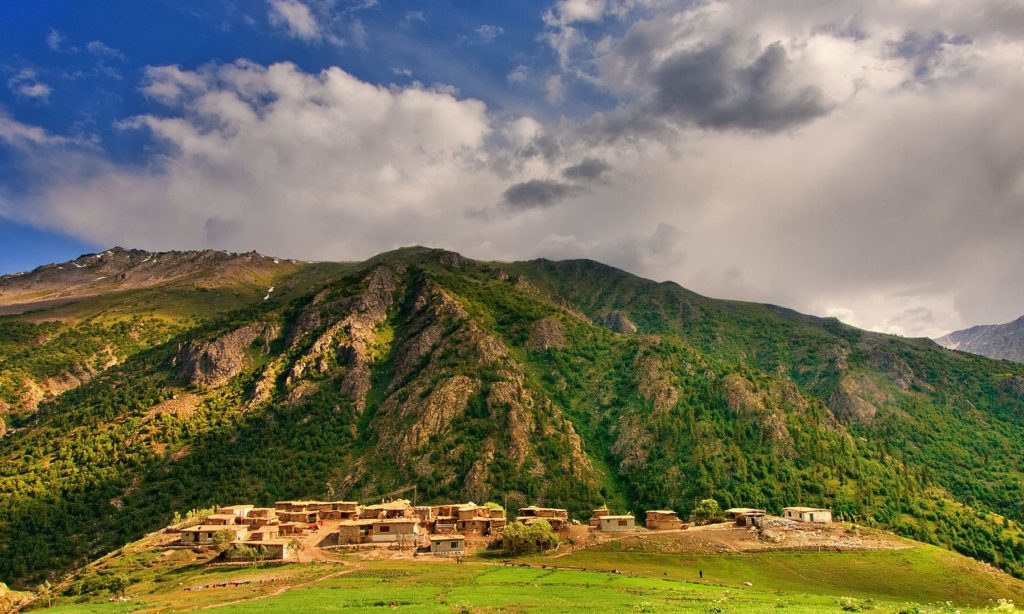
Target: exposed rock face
x,y
632,444
848,404
350,340
548,333
509,401
432,415
619,322
741,397
1014,385
656,383
214,363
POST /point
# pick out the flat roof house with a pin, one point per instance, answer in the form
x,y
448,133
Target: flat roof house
x,y
236,510
596,515
735,513
618,523
203,534
222,519
354,531
663,520
447,545
808,514
558,518
273,550
395,530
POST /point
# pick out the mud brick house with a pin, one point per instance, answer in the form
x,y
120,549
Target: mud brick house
x,y
558,518
808,514
618,523
222,519
203,534
596,515
663,520
261,517
264,534
241,511
400,529
271,550
354,531
399,508
448,545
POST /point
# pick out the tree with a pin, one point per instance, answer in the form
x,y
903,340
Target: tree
x,y
706,511
519,538
296,546
222,540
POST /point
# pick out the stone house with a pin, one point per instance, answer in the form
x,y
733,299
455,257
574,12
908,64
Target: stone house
x,y
663,520
241,511
272,550
448,545
395,530
808,514
558,518
596,515
222,519
354,531
617,523
203,534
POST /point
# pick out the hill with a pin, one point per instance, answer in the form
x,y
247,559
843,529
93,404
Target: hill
x,y
568,383
1001,341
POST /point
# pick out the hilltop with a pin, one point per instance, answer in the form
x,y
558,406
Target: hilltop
x,y
565,383
1001,341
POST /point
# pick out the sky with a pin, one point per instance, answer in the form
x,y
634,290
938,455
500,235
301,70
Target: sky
x,y
862,159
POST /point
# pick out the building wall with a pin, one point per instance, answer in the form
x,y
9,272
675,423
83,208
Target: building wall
x,y
448,547
617,524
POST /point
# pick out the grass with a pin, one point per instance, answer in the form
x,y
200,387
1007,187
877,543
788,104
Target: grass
x,y
918,579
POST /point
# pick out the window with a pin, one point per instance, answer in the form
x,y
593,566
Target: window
x,y
385,529
455,545
622,523
812,517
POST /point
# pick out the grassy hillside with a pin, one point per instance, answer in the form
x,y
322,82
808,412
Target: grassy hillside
x,y
613,577
564,383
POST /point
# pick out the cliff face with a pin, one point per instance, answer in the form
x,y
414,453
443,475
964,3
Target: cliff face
x,y
1002,341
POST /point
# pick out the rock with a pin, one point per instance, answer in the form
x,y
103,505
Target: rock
x,y
619,322
214,363
741,396
508,400
423,418
632,444
655,383
847,404
547,334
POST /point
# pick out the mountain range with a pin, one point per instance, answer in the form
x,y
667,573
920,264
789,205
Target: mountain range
x,y
136,384
1000,341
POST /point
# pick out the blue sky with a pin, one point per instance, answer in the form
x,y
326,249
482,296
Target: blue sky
x,y
862,159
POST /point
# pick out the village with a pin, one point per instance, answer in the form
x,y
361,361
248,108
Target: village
x,y
450,530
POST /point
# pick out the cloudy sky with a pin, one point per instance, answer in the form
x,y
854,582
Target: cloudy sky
x,y
862,159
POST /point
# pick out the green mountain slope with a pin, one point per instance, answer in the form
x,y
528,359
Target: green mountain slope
x,y
567,383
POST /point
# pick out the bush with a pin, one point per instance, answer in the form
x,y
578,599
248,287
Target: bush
x,y
707,511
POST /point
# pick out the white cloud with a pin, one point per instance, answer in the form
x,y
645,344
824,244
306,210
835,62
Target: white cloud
x,y
18,134
54,40
519,74
487,32
25,84
858,159
102,50
554,90
295,17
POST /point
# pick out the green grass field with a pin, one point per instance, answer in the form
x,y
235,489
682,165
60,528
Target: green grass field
x,y
917,579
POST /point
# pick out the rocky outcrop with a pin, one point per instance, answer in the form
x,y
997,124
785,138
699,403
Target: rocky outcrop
x,y
632,444
547,334
352,340
509,402
655,383
741,396
213,363
421,418
848,404
619,322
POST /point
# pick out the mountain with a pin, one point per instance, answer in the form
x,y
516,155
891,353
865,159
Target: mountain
x,y
568,383
1001,341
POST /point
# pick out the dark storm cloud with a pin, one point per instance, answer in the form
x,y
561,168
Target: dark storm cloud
x,y
705,87
925,49
590,169
537,194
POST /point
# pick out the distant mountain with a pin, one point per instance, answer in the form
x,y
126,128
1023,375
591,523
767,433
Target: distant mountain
x,y
1003,341
567,383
